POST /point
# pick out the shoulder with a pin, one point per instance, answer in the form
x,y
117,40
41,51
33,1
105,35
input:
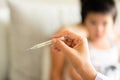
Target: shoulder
x,y
77,28
64,28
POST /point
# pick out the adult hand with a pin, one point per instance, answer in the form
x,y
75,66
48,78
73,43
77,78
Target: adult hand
x,y
75,48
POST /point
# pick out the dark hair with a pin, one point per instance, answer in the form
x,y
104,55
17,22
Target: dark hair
x,y
101,6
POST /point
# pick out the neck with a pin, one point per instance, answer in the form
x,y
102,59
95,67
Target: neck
x,y
98,40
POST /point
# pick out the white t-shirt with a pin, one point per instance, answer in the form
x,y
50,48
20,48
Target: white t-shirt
x,y
106,61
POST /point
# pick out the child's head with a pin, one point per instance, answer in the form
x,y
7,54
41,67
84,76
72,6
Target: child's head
x,y
98,16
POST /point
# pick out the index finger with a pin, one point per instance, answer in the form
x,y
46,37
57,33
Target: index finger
x,y
61,34
65,33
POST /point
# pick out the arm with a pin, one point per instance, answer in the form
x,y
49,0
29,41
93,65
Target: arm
x,y
81,63
119,53
84,67
117,41
57,60
78,54
74,74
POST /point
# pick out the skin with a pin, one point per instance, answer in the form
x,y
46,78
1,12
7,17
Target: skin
x,y
99,26
58,64
80,47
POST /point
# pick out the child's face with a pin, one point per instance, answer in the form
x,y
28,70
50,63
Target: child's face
x,y
98,25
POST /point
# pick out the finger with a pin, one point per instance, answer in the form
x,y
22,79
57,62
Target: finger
x,y
54,48
63,33
58,35
63,47
67,35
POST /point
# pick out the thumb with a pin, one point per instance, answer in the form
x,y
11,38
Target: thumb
x,y
63,47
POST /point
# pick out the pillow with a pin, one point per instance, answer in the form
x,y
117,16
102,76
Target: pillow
x,y
3,53
32,23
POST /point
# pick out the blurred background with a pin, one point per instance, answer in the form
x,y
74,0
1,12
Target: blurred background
x,y
24,23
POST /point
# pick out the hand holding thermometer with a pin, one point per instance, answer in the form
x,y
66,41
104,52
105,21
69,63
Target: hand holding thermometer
x,y
43,44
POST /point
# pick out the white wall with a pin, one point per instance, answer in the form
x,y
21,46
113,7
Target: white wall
x,y
4,19
54,1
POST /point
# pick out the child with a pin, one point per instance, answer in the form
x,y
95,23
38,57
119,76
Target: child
x,y
98,18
